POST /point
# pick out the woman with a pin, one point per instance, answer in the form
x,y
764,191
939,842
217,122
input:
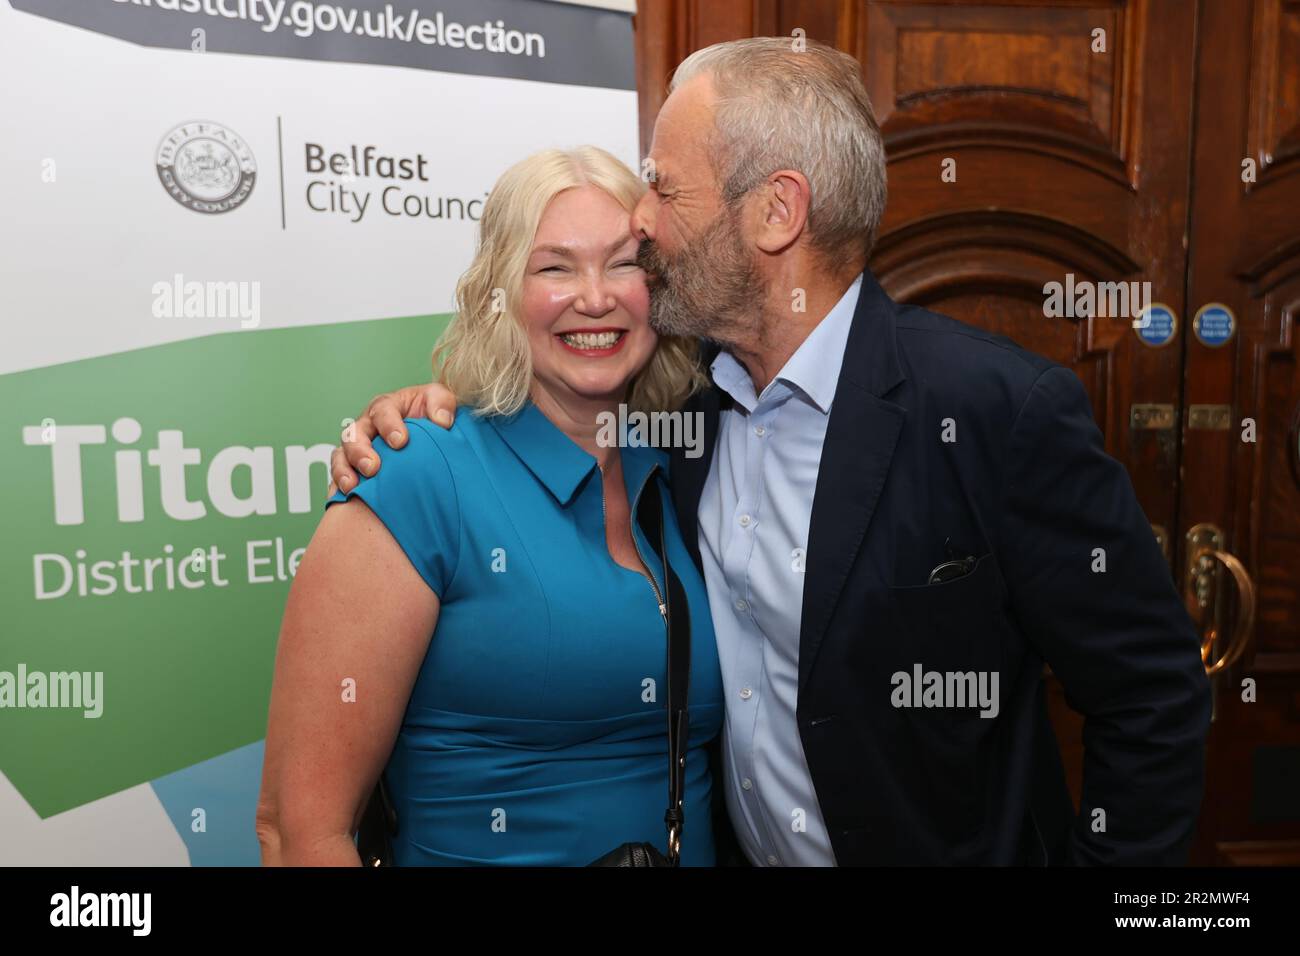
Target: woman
x,y
514,695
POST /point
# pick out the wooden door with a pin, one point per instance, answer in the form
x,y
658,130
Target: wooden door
x,y
1034,140
1244,277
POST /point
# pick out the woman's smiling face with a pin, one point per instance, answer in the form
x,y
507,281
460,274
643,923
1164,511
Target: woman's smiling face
x,y
585,304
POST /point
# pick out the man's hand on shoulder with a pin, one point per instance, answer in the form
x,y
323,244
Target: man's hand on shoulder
x,y
384,416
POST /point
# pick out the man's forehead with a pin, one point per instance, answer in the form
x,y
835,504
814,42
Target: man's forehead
x,y
664,144
684,120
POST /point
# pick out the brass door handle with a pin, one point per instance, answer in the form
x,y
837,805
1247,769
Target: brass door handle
x,y
1204,589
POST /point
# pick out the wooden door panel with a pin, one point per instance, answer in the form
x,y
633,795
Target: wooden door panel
x,y
1245,254
1267,506
1268,373
1022,76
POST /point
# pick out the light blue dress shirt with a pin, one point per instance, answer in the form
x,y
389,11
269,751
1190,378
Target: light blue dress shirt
x,y
754,516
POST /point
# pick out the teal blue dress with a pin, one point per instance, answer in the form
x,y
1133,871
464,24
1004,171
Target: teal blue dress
x,y
536,734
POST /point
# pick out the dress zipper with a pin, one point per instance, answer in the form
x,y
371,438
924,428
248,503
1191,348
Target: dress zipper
x,y
649,575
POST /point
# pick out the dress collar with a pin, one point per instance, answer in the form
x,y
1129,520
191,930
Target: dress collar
x,y
557,462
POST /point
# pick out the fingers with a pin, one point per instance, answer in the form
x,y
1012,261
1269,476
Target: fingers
x,y
383,417
357,453
439,404
342,477
387,412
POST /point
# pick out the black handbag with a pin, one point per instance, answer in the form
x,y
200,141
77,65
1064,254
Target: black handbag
x,y
379,821
377,829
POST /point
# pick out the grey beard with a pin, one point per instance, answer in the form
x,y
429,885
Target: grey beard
x,y
712,290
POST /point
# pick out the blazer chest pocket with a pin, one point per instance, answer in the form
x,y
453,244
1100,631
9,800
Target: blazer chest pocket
x,y
945,688
955,625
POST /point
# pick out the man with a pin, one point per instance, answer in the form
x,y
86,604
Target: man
x,y
899,517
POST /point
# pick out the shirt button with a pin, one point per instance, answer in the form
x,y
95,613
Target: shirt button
x,y
772,861
745,521
746,693
741,605
760,431
747,784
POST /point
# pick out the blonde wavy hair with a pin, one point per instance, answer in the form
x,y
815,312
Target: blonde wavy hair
x,y
484,354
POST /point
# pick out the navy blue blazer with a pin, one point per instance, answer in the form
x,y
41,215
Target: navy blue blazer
x,y
942,434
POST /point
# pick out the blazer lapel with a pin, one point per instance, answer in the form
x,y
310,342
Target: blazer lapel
x,y
860,439
688,474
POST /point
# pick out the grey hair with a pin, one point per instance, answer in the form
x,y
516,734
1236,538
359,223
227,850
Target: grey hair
x,y
782,106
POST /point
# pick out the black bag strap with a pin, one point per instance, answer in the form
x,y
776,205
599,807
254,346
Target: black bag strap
x,y
677,617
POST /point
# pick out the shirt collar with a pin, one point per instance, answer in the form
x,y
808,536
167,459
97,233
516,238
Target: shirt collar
x,y
813,369
556,461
